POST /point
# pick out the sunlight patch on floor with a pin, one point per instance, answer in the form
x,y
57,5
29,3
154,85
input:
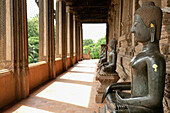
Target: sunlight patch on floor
x,y
78,76
67,92
26,109
85,70
86,65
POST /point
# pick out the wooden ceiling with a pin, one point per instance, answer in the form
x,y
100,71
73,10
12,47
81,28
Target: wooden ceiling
x,y
90,11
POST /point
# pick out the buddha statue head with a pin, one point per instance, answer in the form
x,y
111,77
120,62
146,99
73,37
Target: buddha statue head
x,y
147,23
113,43
103,46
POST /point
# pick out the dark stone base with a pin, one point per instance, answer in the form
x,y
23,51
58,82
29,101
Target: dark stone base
x,y
105,80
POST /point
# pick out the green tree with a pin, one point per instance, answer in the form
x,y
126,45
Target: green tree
x,y
94,48
33,46
98,46
33,26
87,42
101,41
33,39
86,49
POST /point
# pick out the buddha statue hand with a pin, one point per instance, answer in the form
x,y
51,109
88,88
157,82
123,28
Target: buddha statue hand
x,y
116,86
119,99
121,107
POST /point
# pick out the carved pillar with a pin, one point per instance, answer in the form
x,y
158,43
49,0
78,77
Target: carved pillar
x,y
43,32
68,30
2,32
107,33
71,38
57,29
61,31
82,39
78,40
64,42
46,35
81,42
75,37
6,35
20,48
70,35
51,43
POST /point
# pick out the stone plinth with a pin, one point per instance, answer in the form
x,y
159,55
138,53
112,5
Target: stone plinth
x,y
105,80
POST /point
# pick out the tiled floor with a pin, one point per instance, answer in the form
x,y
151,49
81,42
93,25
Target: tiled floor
x,y
72,92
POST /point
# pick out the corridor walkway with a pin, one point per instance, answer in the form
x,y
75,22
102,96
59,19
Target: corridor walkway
x,y
71,92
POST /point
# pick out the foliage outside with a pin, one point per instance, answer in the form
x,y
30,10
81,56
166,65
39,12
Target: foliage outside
x,y
93,48
33,39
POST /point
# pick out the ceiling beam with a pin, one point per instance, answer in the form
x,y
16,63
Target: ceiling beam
x,y
94,20
81,7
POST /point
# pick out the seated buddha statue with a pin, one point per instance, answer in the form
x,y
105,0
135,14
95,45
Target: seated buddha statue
x,y
102,57
102,53
110,66
148,68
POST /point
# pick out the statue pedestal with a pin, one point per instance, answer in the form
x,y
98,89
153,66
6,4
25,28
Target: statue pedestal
x,y
105,80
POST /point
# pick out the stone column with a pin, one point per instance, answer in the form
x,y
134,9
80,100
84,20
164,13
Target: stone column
x,y
57,29
2,32
70,34
20,48
43,33
5,34
75,36
107,33
78,40
51,43
81,42
68,30
61,31
8,32
46,35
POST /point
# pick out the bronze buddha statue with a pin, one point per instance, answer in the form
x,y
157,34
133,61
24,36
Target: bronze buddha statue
x,y
110,66
148,68
102,52
102,57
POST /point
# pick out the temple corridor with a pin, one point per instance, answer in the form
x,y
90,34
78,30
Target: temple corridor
x,y
45,66
71,92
